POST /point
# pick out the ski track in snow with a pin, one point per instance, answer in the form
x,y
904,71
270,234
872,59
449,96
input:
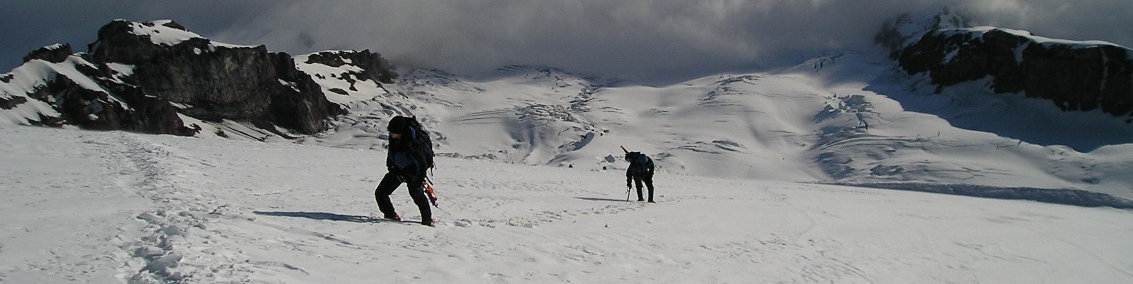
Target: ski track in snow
x,y
210,210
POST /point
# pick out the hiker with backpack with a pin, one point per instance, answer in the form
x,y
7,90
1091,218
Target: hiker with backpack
x,y
640,170
410,156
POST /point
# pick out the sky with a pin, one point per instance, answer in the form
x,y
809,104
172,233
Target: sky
x,y
642,40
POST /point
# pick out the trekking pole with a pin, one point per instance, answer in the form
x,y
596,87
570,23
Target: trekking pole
x,y
627,180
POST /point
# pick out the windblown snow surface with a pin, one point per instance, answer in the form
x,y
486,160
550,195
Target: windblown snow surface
x,y
118,207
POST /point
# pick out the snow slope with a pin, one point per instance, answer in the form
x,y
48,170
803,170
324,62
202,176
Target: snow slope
x,y
846,118
118,207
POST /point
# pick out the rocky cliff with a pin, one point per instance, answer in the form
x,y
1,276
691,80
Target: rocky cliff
x,y
92,96
141,76
1075,75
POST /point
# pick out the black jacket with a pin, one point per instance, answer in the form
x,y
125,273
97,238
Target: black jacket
x,y
402,161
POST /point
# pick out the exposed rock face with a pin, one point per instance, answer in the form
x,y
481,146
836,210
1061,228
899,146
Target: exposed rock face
x,y
365,65
374,66
1076,76
52,53
92,109
216,82
92,97
139,76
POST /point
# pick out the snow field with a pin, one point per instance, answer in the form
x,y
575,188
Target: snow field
x,y
113,206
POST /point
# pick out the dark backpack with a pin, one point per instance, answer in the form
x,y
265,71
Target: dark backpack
x,y
639,163
419,142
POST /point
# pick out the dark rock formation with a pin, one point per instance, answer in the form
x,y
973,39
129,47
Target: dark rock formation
x,y
52,53
12,102
1076,76
216,82
114,105
372,65
304,104
376,67
148,73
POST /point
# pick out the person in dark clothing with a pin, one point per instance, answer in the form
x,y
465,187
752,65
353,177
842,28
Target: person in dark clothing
x,y
640,170
405,166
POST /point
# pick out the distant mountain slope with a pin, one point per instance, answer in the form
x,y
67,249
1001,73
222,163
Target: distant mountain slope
x,y
1074,75
841,118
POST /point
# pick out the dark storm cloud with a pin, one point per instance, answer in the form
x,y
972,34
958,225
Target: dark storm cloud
x,y
646,40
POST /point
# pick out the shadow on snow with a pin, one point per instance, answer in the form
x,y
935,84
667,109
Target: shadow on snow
x,y
601,199
1073,197
322,216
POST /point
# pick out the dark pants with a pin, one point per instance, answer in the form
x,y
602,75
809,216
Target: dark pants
x,y
390,183
648,179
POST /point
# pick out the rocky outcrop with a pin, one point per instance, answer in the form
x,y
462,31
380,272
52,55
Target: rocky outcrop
x,y
1076,76
141,76
51,53
91,96
372,64
93,109
212,81
349,67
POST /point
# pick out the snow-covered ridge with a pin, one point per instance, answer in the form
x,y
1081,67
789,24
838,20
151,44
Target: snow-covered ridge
x,y
167,32
179,90
906,29
341,84
1048,42
159,33
1073,75
32,78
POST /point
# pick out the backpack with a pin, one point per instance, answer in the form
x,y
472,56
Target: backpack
x,y
644,160
639,163
419,142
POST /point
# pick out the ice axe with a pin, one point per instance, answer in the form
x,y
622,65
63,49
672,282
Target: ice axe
x,y
431,193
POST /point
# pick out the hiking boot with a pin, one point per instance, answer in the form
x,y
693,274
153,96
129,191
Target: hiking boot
x,y
428,222
393,217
